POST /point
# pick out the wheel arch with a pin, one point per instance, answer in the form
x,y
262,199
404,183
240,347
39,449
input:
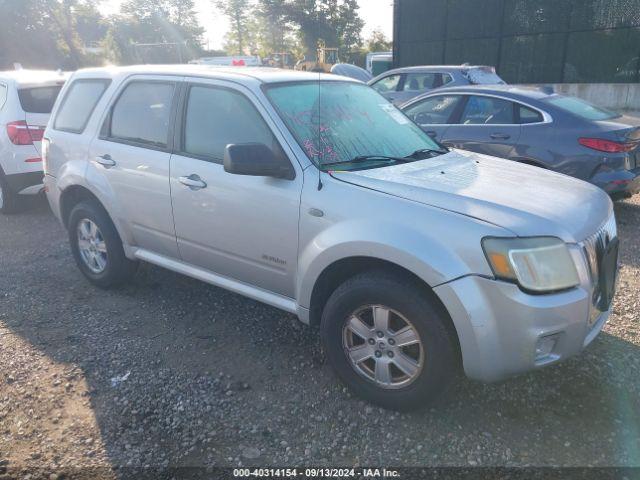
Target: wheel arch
x,y
341,270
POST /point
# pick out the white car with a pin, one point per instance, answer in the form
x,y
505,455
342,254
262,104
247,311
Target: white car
x,y
26,100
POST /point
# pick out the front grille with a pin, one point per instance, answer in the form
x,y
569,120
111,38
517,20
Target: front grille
x,y
595,248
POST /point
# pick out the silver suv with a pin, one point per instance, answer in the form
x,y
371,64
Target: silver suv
x,y
313,194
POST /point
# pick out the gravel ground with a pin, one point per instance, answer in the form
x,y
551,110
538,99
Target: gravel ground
x,y
172,372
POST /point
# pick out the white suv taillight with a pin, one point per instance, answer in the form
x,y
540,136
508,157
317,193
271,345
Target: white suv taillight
x,y
45,153
22,134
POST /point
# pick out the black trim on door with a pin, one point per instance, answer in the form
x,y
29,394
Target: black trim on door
x,y
105,130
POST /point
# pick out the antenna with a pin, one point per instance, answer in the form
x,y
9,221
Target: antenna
x,y
319,140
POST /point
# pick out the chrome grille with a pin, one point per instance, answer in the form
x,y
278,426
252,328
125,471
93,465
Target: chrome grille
x,y
594,248
596,243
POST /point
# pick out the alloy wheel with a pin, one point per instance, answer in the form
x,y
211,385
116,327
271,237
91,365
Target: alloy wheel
x,y
91,245
383,346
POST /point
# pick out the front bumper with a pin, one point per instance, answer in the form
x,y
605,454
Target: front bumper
x,y
499,326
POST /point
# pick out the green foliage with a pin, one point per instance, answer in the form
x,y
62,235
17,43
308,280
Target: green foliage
x,y
154,31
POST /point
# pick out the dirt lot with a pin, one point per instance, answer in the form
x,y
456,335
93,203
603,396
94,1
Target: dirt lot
x,y
172,372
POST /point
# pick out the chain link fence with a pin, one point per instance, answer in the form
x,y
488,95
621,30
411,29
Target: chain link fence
x,y
529,41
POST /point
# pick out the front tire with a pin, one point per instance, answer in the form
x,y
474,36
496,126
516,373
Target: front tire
x,y
97,248
388,341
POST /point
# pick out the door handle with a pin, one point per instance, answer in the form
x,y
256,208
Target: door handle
x,y
193,181
106,161
431,133
500,136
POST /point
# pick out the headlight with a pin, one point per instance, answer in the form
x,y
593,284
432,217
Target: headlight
x,y
538,264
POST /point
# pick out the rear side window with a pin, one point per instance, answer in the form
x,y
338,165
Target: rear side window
x,y
78,104
142,114
416,82
487,111
581,108
528,115
38,99
217,117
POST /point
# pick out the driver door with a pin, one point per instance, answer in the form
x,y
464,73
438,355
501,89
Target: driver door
x,y
435,114
241,227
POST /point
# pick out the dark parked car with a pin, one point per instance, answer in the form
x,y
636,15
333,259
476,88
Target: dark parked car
x,y
403,84
537,127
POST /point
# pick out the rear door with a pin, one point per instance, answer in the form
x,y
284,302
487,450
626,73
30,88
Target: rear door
x,y
129,159
487,125
434,114
417,83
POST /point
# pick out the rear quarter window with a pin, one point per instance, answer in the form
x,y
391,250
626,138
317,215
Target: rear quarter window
x,y
38,99
581,108
78,104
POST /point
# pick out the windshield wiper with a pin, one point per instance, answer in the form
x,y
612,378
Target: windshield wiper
x,y
370,158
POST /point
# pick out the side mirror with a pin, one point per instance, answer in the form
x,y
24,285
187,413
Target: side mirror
x,y
257,160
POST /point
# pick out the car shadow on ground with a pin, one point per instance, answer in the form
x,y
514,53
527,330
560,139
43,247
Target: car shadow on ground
x,y
180,373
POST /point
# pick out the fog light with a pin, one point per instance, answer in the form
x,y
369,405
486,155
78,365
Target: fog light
x,y
545,347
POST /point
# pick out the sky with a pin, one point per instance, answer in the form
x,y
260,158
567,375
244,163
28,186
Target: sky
x,y
375,13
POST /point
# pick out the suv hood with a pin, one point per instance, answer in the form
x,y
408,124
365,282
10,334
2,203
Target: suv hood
x,y
527,200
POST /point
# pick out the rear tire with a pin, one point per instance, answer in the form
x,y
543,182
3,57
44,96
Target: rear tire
x,y
97,248
9,200
392,376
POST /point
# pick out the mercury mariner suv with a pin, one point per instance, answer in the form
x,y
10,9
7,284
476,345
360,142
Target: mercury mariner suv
x,y
314,194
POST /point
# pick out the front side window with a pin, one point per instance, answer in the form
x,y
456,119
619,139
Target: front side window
x,y
217,117
387,84
339,122
142,114
433,110
38,99
78,104
487,111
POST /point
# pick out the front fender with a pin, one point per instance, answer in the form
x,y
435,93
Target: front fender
x,y
431,258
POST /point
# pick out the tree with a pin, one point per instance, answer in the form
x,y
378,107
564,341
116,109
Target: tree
x,y
154,31
378,41
335,22
41,33
238,12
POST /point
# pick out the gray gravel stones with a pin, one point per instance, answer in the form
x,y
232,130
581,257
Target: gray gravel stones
x,y
220,380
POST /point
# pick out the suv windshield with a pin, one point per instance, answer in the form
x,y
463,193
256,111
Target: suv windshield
x,y
340,123
581,108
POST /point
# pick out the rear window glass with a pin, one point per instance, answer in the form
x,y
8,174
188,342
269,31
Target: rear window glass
x,y
78,104
581,108
38,99
484,76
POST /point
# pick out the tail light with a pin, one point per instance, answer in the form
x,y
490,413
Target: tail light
x,y
22,134
608,146
44,153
